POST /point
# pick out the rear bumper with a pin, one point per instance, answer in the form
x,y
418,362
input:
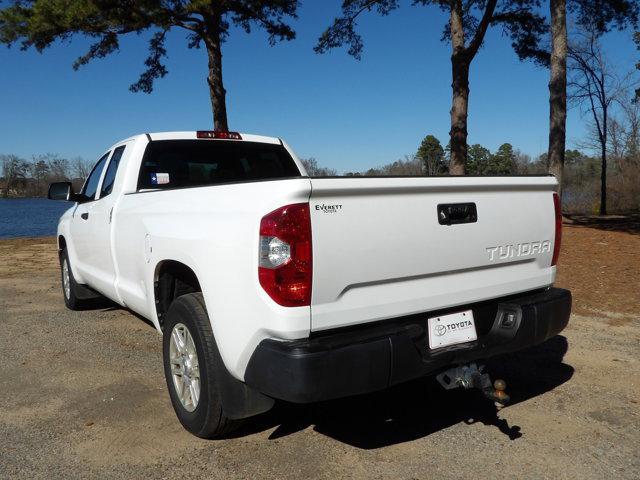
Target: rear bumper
x,y
376,356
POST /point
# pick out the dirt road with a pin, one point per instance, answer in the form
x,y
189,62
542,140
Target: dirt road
x,y
82,394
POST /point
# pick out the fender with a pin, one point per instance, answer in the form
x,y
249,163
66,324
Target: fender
x,y
64,232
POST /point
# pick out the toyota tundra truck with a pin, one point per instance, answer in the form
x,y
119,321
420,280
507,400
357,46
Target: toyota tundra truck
x,y
269,285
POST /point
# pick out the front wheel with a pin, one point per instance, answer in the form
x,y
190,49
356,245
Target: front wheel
x,y
76,296
190,360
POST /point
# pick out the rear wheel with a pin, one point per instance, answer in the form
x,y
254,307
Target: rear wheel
x,y
191,359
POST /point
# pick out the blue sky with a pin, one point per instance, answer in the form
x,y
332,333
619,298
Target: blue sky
x,y
348,114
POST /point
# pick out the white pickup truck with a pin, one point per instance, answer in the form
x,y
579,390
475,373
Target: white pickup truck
x,y
270,285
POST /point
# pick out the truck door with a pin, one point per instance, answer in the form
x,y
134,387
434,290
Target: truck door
x,y
103,269
83,242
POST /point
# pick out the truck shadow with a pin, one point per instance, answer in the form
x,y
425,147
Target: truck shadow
x,y
422,407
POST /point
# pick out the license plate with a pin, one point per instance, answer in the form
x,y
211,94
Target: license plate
x,y
451,329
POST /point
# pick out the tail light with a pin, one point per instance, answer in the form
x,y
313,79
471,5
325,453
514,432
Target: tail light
x,y
558,236
284,265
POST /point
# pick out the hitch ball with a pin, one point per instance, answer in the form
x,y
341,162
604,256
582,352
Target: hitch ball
x,y
500,385
499,396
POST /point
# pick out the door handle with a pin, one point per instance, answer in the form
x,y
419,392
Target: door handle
x,y
84,216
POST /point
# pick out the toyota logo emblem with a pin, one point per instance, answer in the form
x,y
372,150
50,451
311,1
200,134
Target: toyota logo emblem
x,y
440,330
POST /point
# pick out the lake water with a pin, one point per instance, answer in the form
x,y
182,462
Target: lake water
x,y
30,217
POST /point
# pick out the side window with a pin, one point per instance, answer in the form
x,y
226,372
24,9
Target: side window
x,y
91,185
112,169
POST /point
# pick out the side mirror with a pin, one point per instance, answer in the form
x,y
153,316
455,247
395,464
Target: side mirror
x,y
61,191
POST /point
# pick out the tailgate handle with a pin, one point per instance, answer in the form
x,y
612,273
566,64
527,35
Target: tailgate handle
x,y
454,213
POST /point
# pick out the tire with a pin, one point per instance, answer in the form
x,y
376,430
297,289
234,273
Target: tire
x,y
204,418
76,296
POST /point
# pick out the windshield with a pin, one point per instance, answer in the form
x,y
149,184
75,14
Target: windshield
x,y
191,163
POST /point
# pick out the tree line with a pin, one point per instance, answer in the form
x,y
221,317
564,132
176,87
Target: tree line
x,y
21,177
31,178
581,182
431,159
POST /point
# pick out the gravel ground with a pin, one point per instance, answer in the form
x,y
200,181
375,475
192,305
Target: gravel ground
x,y
83,394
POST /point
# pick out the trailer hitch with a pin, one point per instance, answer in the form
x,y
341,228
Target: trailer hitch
x,y
472,376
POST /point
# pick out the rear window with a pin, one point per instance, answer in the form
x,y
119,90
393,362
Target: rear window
x,y
192,163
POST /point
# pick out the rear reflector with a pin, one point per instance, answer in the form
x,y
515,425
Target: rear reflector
x,y
218,134
284,263
558,237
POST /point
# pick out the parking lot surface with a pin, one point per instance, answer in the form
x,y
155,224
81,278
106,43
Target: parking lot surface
x,y
82,394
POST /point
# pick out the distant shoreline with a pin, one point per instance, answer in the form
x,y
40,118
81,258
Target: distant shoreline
x,y
22,198
51,238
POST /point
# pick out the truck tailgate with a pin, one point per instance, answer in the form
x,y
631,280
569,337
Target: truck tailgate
x,y
380,251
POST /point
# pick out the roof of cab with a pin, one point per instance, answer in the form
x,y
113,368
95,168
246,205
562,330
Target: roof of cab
x,y
192,136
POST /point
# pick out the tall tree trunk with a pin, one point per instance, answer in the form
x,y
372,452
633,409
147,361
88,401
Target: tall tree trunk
x,y
603,182
214,79
459,113
558,90
460,88
603,153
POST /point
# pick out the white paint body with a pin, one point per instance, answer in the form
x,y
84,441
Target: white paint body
x,y
381,254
